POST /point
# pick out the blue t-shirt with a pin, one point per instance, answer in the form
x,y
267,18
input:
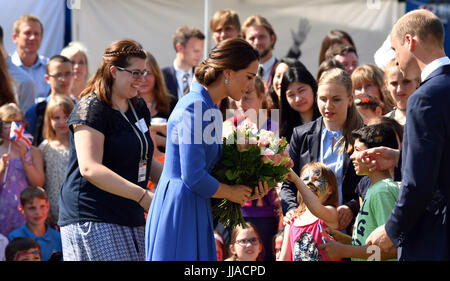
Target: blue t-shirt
x,y
80,200
50,242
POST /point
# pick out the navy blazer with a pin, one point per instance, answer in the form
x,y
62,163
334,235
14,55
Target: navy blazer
x,y
170,77
418,224
304,147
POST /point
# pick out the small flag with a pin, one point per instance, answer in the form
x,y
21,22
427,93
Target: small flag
x,y
18,133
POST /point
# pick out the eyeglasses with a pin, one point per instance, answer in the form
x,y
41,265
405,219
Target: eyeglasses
x,y
136,74
8,123
61,75
242,242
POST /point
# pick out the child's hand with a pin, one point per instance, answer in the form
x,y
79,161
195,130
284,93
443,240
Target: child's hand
x,y
292,176
289,217
20,147
332,249
345,216
4,162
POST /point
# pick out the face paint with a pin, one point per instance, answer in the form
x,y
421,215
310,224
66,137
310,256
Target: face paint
x,y
315,181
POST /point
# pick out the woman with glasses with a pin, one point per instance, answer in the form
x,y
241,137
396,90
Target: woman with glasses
x,y
19,168
180,224
104,196
246,244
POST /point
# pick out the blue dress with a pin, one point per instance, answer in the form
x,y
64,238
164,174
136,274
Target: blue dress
x,y
179,223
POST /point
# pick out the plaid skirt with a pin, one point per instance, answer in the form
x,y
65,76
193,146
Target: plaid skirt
x,y
97,241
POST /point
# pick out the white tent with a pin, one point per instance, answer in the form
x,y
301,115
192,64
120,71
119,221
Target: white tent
x,y
97,23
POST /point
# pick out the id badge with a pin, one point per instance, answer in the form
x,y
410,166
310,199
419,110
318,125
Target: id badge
x,y
141,125
142,171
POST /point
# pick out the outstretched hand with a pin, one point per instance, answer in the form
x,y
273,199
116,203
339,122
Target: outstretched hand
x,y
380,158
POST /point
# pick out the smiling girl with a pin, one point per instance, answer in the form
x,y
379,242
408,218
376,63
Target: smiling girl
x,y
328,139
55,148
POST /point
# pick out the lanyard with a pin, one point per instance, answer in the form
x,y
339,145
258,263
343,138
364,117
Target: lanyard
x,y
143,157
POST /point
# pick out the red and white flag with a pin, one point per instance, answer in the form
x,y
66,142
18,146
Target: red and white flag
x,y
18,133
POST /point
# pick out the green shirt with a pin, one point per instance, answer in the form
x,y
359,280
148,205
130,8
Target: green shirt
x,y
375,210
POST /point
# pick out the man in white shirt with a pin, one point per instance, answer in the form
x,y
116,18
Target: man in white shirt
x,y
188,45
257,31
27,35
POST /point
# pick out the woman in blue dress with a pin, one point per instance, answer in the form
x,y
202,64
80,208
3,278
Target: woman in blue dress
x,y
179,224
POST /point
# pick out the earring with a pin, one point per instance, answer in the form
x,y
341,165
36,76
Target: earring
x,y
226,80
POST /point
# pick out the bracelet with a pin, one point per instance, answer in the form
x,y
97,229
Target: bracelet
x,y
142,197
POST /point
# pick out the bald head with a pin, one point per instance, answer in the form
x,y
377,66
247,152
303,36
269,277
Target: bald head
x,y
421,23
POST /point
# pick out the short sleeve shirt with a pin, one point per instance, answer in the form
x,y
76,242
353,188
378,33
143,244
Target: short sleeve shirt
x,y
82,201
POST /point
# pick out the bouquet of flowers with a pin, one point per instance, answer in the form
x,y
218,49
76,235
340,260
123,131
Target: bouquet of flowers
x,y
249,156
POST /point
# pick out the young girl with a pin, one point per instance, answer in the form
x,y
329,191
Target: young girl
x,y
55,148
246,244
400,88
328,139
369,79
298,99
19,168
318,199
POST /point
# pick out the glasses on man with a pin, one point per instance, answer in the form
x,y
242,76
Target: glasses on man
x,y
136,74
61,75
242,242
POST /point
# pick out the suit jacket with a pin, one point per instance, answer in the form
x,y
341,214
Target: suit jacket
x,y
170,77
304,147
418,224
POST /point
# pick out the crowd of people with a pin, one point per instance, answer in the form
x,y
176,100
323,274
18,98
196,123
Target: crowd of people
x,y
118,170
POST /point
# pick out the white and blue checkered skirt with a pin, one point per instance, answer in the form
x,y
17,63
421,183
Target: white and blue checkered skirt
x,y
97,241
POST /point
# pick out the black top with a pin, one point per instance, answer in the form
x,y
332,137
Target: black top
x,y
80,200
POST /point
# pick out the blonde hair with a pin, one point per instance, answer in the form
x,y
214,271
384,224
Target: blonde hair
x,y
74,48
55,101
258,21
10,112
225,17
26,18
354,120
372,73
422,23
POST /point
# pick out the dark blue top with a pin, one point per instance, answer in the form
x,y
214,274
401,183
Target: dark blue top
x,y
80,200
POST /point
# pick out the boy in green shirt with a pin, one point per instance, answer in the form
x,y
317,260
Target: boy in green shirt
x,y
378,203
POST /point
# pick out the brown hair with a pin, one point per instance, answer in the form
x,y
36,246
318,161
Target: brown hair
x,y
238,229
55,101
354,120
422,23
328,174
327,65
333,36
223,18
339,49
258,20
374,74
118,54
26,18
233,53
28,194
160,94
6,85
184,33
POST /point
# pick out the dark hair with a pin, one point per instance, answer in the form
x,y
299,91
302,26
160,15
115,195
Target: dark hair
x,y
232,53
391,122
184,33
327,65
289,117
376,135
30,193
333,36
118,54
339,49
58,58
19,244
366,101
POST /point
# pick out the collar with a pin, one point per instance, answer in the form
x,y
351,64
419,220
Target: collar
x,y
268,64
41,60
199,88
179,70
432,66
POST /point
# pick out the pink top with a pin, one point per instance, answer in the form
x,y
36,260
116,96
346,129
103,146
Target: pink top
x,y
303,240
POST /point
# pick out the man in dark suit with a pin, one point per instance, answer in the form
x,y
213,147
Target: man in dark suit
x,y
418,224
188,45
